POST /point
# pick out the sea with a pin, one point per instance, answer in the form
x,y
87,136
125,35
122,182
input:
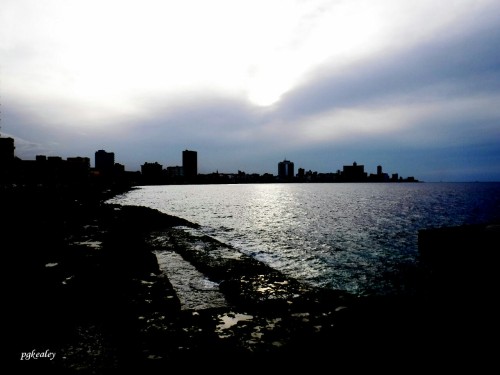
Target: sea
x,y
361,238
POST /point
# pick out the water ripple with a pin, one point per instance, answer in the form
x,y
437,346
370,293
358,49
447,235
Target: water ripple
x,y
342,236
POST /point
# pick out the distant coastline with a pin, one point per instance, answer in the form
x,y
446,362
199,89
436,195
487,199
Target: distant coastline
x,y
54,171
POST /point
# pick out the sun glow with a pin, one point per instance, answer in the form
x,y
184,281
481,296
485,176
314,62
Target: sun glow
x,y
115,52
98,51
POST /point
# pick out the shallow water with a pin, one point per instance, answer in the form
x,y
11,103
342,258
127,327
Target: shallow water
x,y
194,290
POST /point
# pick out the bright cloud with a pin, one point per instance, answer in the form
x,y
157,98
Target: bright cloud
x,y
111,52
411,124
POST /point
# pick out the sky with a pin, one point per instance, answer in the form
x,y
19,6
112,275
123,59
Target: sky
x,y
413,86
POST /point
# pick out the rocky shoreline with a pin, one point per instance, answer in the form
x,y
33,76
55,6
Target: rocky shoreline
x,y
84,281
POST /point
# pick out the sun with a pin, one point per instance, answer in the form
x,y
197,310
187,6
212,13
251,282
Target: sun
x,y
98,52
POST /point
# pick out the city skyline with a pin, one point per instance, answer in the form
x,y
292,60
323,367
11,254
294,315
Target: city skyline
x,y
107,158
414,86
78,169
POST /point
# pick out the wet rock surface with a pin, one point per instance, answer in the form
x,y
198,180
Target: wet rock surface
x,y
91,282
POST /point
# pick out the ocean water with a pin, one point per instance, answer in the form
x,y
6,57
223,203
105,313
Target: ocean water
x,y
360,238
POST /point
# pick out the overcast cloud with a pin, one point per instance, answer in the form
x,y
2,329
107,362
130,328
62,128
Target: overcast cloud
x,y
413,86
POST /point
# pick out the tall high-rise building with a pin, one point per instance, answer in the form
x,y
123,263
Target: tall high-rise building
x,y
379,170
6,158
285,170
104,161
190,163
6,150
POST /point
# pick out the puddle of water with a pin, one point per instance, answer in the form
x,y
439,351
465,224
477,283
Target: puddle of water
x,y
194,290
230,319
92,244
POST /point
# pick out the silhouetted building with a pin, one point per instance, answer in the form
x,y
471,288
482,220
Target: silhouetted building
x,y
54,168
79,162
6,159
119,169
55,160
175,171
190,163
6,150
301,174
379,177
104,161
152,173
285,170
77,169
353,173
